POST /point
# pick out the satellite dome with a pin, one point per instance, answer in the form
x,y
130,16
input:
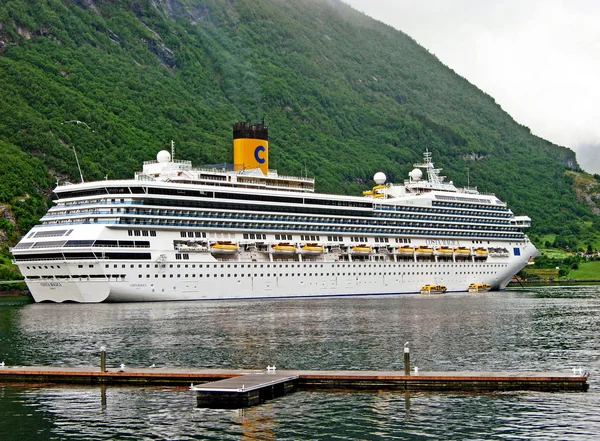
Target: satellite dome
x,y
379,178
163,156
416,174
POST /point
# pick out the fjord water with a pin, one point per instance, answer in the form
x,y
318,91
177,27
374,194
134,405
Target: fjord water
x,y
538,329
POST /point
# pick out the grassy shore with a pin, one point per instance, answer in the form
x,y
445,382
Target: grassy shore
x,y
585,271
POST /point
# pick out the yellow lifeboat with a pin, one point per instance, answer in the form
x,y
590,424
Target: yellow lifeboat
x,y
362,249
433,289
283,248
424,251
311,249
479,287
405,250
481,253
224,248
445,251
462,252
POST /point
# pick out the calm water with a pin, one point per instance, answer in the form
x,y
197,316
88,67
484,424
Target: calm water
x,y
543,329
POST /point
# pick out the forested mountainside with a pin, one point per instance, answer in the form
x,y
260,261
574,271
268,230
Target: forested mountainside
x,y
344,96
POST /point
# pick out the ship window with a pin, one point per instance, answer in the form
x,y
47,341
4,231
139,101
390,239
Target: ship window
x,y
152,233
130,233
136,232
144,233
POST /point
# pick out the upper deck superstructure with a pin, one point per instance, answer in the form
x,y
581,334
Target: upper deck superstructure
x,y
172,213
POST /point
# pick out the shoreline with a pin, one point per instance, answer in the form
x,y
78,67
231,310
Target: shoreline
x,y
524,283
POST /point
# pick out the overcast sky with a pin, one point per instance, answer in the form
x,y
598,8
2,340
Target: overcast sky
x,y
539,59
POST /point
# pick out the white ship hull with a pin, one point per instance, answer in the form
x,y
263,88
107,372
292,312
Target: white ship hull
x,y
255,275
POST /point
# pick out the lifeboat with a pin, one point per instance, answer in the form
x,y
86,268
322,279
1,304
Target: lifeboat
x,y
311,249
481,253
362,249
462,252
284,248
445,252
224,248
424,252
405,251
433,289
479,287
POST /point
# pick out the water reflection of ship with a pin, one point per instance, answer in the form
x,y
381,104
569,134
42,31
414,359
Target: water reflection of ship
x,y
256,423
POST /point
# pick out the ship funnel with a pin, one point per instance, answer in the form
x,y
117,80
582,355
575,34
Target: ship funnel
x,y
251,146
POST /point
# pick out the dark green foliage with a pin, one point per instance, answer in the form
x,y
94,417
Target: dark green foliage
x,y
344,97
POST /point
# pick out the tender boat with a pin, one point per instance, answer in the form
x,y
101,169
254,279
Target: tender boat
x,y
479,287
433,289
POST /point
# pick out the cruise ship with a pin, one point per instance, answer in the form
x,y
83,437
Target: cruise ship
x,y
243,231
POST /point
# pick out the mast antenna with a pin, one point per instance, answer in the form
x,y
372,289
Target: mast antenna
x,y
172,151
78,167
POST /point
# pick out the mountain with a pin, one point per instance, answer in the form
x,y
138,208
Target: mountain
x,y
344,96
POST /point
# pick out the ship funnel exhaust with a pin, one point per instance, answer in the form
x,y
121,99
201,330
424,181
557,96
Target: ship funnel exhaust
x,y
251,146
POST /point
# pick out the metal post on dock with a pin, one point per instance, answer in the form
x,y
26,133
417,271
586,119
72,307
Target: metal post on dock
x,y
102,358
406,359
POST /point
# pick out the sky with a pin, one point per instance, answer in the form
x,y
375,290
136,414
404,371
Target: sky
x,y
539,59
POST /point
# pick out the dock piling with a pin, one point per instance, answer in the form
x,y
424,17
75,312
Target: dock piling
x,y
102,358
406,359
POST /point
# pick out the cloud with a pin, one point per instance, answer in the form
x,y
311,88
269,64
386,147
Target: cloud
x,y
588,157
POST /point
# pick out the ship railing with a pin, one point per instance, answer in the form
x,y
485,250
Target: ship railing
x,y
199,214
177,161
395,230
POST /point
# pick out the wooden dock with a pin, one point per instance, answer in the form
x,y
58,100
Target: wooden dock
x,y
358,380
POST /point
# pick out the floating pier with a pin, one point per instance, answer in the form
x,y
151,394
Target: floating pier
x,y
226,388
244,390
